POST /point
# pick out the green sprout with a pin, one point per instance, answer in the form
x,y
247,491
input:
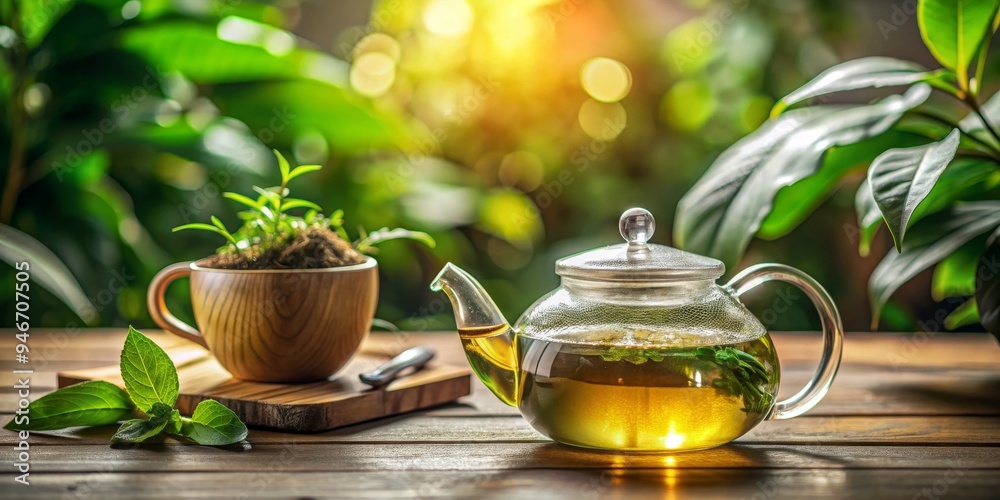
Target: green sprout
x,y
267,222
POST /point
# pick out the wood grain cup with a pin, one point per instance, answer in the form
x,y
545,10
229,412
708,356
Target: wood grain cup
x,y
296,325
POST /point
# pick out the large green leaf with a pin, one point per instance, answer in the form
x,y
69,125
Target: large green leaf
x,y
149,375
965,314
794,203
212,424
38,17
234,50
930,240
955,275
988,285
722,212
138,430
953,30
965,179
283,110
857,74
45,269
869,217
991,109
91,403
901,178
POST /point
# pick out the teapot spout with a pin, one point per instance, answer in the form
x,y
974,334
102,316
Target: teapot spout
x,y
487,336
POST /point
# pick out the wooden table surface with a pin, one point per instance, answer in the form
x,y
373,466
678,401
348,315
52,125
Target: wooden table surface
x,y
909,416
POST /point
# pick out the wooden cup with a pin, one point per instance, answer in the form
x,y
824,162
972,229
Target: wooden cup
x,y
296,325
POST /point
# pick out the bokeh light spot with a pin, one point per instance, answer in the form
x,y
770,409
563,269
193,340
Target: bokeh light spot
x,y
311,147
602,121
522,169
605,79
689,104
35,97
372,74
131,9
279,43
448,18
378,42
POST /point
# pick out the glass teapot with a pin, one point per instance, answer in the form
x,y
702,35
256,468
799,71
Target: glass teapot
x,y
639,348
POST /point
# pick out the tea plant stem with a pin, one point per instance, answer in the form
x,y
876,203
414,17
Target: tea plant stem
x,y
980,67
949,123
15,170
979,111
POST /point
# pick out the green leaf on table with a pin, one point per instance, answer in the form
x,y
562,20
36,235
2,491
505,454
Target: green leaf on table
x,y
213,424
722,212
175,424
861,73
900,179
988,285
953,30
47,270
149,375
140,429
965,314
930,240
86,404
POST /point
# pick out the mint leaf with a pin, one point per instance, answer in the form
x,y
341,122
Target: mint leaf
x,y
150,376
176,422
87,404
215,425
138,430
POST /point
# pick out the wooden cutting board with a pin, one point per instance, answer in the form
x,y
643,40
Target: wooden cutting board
x,y
312,407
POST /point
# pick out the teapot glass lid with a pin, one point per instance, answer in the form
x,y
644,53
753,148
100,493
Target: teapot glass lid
x,y
637,260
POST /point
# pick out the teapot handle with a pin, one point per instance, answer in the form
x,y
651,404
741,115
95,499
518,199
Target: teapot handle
x,y
833,332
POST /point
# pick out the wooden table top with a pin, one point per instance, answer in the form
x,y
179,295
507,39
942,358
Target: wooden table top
x,y
909,416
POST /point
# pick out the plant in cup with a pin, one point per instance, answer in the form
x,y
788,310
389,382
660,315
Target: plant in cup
x,y
288,298
271,237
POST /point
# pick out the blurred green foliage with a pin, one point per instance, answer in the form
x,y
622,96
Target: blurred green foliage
x,y
471,120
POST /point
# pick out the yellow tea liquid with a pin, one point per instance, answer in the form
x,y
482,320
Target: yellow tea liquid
x,y
645,399
491,355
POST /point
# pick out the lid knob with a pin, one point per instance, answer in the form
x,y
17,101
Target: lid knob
x,y
637,226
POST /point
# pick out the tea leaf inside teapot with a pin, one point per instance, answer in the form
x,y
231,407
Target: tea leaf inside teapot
x,y
749,375
746,377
